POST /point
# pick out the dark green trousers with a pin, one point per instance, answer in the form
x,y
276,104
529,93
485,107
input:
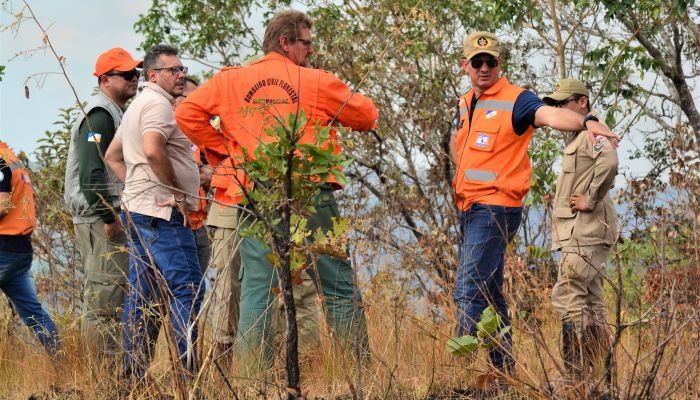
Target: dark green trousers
x,y
332,277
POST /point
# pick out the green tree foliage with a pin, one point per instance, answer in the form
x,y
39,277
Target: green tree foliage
x,y
53,237
215,32
286,176
489,333
639,60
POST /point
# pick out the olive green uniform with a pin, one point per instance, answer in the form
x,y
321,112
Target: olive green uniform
x,y
92,197
332,277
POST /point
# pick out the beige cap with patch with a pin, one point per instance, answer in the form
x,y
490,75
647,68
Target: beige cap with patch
x,y
564,89
481,42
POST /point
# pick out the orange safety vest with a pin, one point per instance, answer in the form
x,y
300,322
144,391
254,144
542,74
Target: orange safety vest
x,y
198,217
492,162
250,99
21,217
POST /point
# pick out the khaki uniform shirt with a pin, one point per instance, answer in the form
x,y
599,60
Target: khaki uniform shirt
x,y
152,111
222,216
589,169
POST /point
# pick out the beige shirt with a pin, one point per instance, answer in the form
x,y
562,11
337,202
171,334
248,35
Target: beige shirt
x,y
589,169
152,111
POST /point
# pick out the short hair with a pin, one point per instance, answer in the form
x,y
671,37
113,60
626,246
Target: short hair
x,y
152,58
192,80
578,97
285,23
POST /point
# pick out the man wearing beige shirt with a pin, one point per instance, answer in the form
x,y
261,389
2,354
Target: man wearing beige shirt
x,y
161,182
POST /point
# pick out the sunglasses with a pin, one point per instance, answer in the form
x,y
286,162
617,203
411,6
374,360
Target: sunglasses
x,y
127,75
478,62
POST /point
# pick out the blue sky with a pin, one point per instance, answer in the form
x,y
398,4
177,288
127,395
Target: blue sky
x,y
80,31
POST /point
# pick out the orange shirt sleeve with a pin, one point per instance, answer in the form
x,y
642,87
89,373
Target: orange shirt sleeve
x,y
359,113
194,115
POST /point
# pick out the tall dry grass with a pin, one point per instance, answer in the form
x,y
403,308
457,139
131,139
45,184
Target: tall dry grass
x,y
658,356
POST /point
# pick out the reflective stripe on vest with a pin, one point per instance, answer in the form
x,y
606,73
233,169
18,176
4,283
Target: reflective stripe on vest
x,y
495,105
480,175
15,165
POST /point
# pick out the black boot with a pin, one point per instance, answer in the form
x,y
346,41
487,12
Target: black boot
x,y
571,350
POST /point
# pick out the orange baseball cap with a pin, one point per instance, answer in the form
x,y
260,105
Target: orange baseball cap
x,y
116,59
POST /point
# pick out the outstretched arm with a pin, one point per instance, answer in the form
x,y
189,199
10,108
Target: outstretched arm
x,y
352,109
570,121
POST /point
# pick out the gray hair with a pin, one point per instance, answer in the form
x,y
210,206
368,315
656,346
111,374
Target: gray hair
x,y
152,58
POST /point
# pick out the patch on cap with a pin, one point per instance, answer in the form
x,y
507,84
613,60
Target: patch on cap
x,y
482,41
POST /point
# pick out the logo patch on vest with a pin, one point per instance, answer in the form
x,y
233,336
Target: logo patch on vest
x,y
491,113
482,140
193,147
94,137
25,178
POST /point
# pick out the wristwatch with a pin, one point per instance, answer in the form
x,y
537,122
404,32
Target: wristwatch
x,y
587,118
184,196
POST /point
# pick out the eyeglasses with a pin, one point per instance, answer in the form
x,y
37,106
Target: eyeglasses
x,y
173,70
306,43
127,75
478,62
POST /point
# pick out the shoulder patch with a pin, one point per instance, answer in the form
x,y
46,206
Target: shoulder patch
x,y
599,143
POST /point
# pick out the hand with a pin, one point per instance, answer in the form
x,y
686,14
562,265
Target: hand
x,y
205,174
181,206
113,229
579,202
596,129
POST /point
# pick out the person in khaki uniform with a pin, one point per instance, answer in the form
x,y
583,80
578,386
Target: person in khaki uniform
x,y
92,197
584,228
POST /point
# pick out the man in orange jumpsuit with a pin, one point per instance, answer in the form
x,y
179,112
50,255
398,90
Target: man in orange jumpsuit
x,y
279,83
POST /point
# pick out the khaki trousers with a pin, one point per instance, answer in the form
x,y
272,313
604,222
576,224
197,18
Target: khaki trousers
x,y
106,268
578,295
227,290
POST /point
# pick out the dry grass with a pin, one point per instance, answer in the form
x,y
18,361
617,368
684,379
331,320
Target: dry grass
x,y
408,361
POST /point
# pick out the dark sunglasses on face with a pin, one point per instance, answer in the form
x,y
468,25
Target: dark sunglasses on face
x,y
478,62
127,75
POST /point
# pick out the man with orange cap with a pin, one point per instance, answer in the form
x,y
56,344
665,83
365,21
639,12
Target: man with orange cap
x,y
496,122
17,219
92,196
280,83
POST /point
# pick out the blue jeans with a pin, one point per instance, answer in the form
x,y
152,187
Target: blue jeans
x,y
164,280
18,284
486,231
